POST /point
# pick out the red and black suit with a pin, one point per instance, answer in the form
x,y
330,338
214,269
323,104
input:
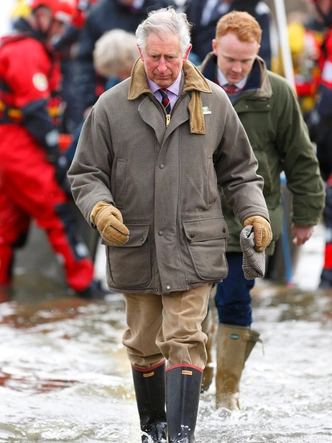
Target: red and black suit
x,y
32,169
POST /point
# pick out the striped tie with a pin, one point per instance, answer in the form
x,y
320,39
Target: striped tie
x,y
165,100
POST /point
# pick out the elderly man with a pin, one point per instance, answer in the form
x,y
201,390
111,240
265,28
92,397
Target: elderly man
x,y
146,172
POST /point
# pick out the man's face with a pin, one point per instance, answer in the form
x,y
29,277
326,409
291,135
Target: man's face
x,y
235,58
163,59
48,25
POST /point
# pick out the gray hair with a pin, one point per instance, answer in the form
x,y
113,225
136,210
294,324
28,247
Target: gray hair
x,y
115,53
164,22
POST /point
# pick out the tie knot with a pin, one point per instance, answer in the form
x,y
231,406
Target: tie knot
x,y
163,92
230,88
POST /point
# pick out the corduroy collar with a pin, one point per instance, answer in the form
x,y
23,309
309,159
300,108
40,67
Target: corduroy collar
x,y
194,82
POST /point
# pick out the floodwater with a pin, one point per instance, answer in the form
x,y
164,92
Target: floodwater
x,y
64,375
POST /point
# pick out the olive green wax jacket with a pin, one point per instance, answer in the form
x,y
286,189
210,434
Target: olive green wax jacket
x,y
272,118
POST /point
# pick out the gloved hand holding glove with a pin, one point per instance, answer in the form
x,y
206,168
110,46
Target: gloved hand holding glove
x,y
262,231
109,223
253,262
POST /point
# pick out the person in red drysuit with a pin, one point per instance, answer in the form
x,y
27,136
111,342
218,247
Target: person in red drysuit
x,y
33,172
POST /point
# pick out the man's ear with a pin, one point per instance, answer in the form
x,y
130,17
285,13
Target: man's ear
x,y
140,53
214,46
186,54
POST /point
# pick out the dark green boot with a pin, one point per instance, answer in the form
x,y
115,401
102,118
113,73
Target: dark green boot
x,y
183,385
234,345
150,397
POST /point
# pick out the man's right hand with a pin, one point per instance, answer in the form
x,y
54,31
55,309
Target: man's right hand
x,y
109,223
262,231
301,233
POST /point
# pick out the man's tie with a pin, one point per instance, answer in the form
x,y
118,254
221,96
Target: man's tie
x,y
230,88
165,100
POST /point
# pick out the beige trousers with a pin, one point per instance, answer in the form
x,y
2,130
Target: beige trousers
x,y
167,327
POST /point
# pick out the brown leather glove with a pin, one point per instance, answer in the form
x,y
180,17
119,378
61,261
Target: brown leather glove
x,y
108,221
262,231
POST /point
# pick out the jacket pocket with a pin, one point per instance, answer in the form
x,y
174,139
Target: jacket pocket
x,y
129,265
207,241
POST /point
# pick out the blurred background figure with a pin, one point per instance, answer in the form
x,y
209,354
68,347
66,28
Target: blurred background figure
x,y
33,172
114,55
204,15
66,47
106,15
305,36
320,126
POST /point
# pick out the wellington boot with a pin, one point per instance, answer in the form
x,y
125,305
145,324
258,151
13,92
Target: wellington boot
x,y
234,345
209,329
183,383
150,397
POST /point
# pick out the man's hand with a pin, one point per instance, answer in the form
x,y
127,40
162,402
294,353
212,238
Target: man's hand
x,y
109,223
262,231
301,233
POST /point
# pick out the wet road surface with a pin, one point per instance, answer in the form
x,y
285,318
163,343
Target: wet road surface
x,y
64,375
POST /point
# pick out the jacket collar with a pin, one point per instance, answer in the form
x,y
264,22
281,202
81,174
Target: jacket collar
x,y
263,86
194,82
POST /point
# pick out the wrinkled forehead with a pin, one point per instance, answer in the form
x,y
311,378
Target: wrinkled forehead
x,y
163,40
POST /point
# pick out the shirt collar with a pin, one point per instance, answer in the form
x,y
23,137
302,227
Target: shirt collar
x,y
174,87
222,80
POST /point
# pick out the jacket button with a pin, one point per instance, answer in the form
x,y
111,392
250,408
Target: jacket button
x,y
223,229
161,233
161,166
192,235
168,287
